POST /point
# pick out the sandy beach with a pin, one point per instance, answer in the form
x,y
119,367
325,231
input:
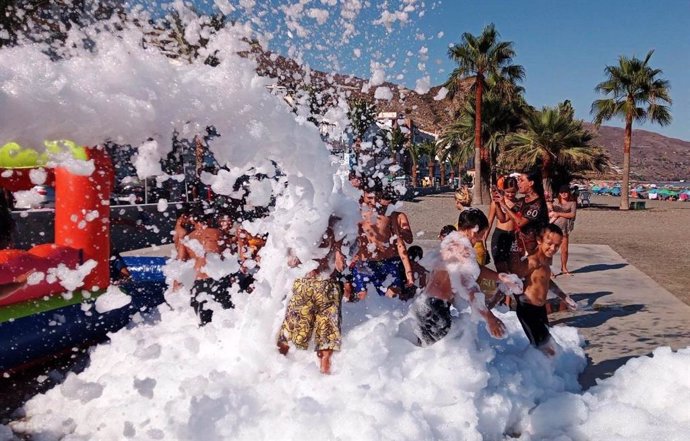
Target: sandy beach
x,y
654,240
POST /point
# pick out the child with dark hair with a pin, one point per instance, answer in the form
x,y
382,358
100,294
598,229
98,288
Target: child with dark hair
x,y
463,201
445,231
536,272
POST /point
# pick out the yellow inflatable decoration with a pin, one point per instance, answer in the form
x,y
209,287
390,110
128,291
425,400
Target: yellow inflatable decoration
x,y
12,155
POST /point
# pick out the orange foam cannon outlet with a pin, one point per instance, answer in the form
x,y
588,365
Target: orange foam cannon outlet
x,y
82,214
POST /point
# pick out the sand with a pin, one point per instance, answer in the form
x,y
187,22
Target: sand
x,y
655,240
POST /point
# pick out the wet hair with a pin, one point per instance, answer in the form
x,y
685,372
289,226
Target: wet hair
x,y
200,213
472,218
372,185
550,228
415,252
389,194
464,196
510,182
446,230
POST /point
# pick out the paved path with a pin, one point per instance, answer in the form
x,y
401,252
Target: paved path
x,y
623,312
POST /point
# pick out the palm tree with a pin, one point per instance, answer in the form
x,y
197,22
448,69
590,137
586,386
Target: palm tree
x,y
396,141
499,118
636,95
415,153
429,149
479,58
554,141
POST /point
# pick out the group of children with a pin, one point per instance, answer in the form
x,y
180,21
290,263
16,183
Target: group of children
x,y
383,260
522,247
204,234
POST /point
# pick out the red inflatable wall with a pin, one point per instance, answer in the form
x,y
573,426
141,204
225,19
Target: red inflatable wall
x,y
82,231
39,259
82,214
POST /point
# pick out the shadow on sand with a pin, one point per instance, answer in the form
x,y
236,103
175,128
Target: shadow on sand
x,y
592,315
601,370
599,267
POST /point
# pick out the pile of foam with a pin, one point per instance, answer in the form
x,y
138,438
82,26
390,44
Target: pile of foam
x,y
174,380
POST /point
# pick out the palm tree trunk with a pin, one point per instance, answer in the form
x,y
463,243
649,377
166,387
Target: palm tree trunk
x,y
625,204
442,167
546,176
478,181
413,172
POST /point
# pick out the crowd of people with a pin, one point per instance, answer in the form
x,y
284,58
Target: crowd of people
x,y
384,261
529,230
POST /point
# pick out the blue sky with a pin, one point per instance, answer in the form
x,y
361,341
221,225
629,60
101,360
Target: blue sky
x,y
564,46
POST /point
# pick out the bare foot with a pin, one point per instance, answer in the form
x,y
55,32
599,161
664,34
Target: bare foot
x,y
565,272
325,356
283,347
548,349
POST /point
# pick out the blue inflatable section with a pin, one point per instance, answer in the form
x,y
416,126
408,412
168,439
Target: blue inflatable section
x,y
145,269
30,339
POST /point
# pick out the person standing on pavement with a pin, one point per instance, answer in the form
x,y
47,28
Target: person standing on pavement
x,y
563,214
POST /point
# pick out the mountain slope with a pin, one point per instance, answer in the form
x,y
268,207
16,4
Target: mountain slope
x,y
654,157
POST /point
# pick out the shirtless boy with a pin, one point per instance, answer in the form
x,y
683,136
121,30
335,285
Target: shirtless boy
x,y
453,278
202,242
315,305
536,273
382,251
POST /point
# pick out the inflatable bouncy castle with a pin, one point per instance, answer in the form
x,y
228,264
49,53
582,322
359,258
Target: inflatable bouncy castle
x,y
50,310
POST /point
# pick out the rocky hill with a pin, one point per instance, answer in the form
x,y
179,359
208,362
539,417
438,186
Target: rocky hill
x,y
654,157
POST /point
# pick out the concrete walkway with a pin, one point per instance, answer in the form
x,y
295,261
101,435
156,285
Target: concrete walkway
x,y
622,314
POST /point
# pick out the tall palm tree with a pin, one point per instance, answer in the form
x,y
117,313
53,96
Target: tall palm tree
x,y
479,58
636,94
554,141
